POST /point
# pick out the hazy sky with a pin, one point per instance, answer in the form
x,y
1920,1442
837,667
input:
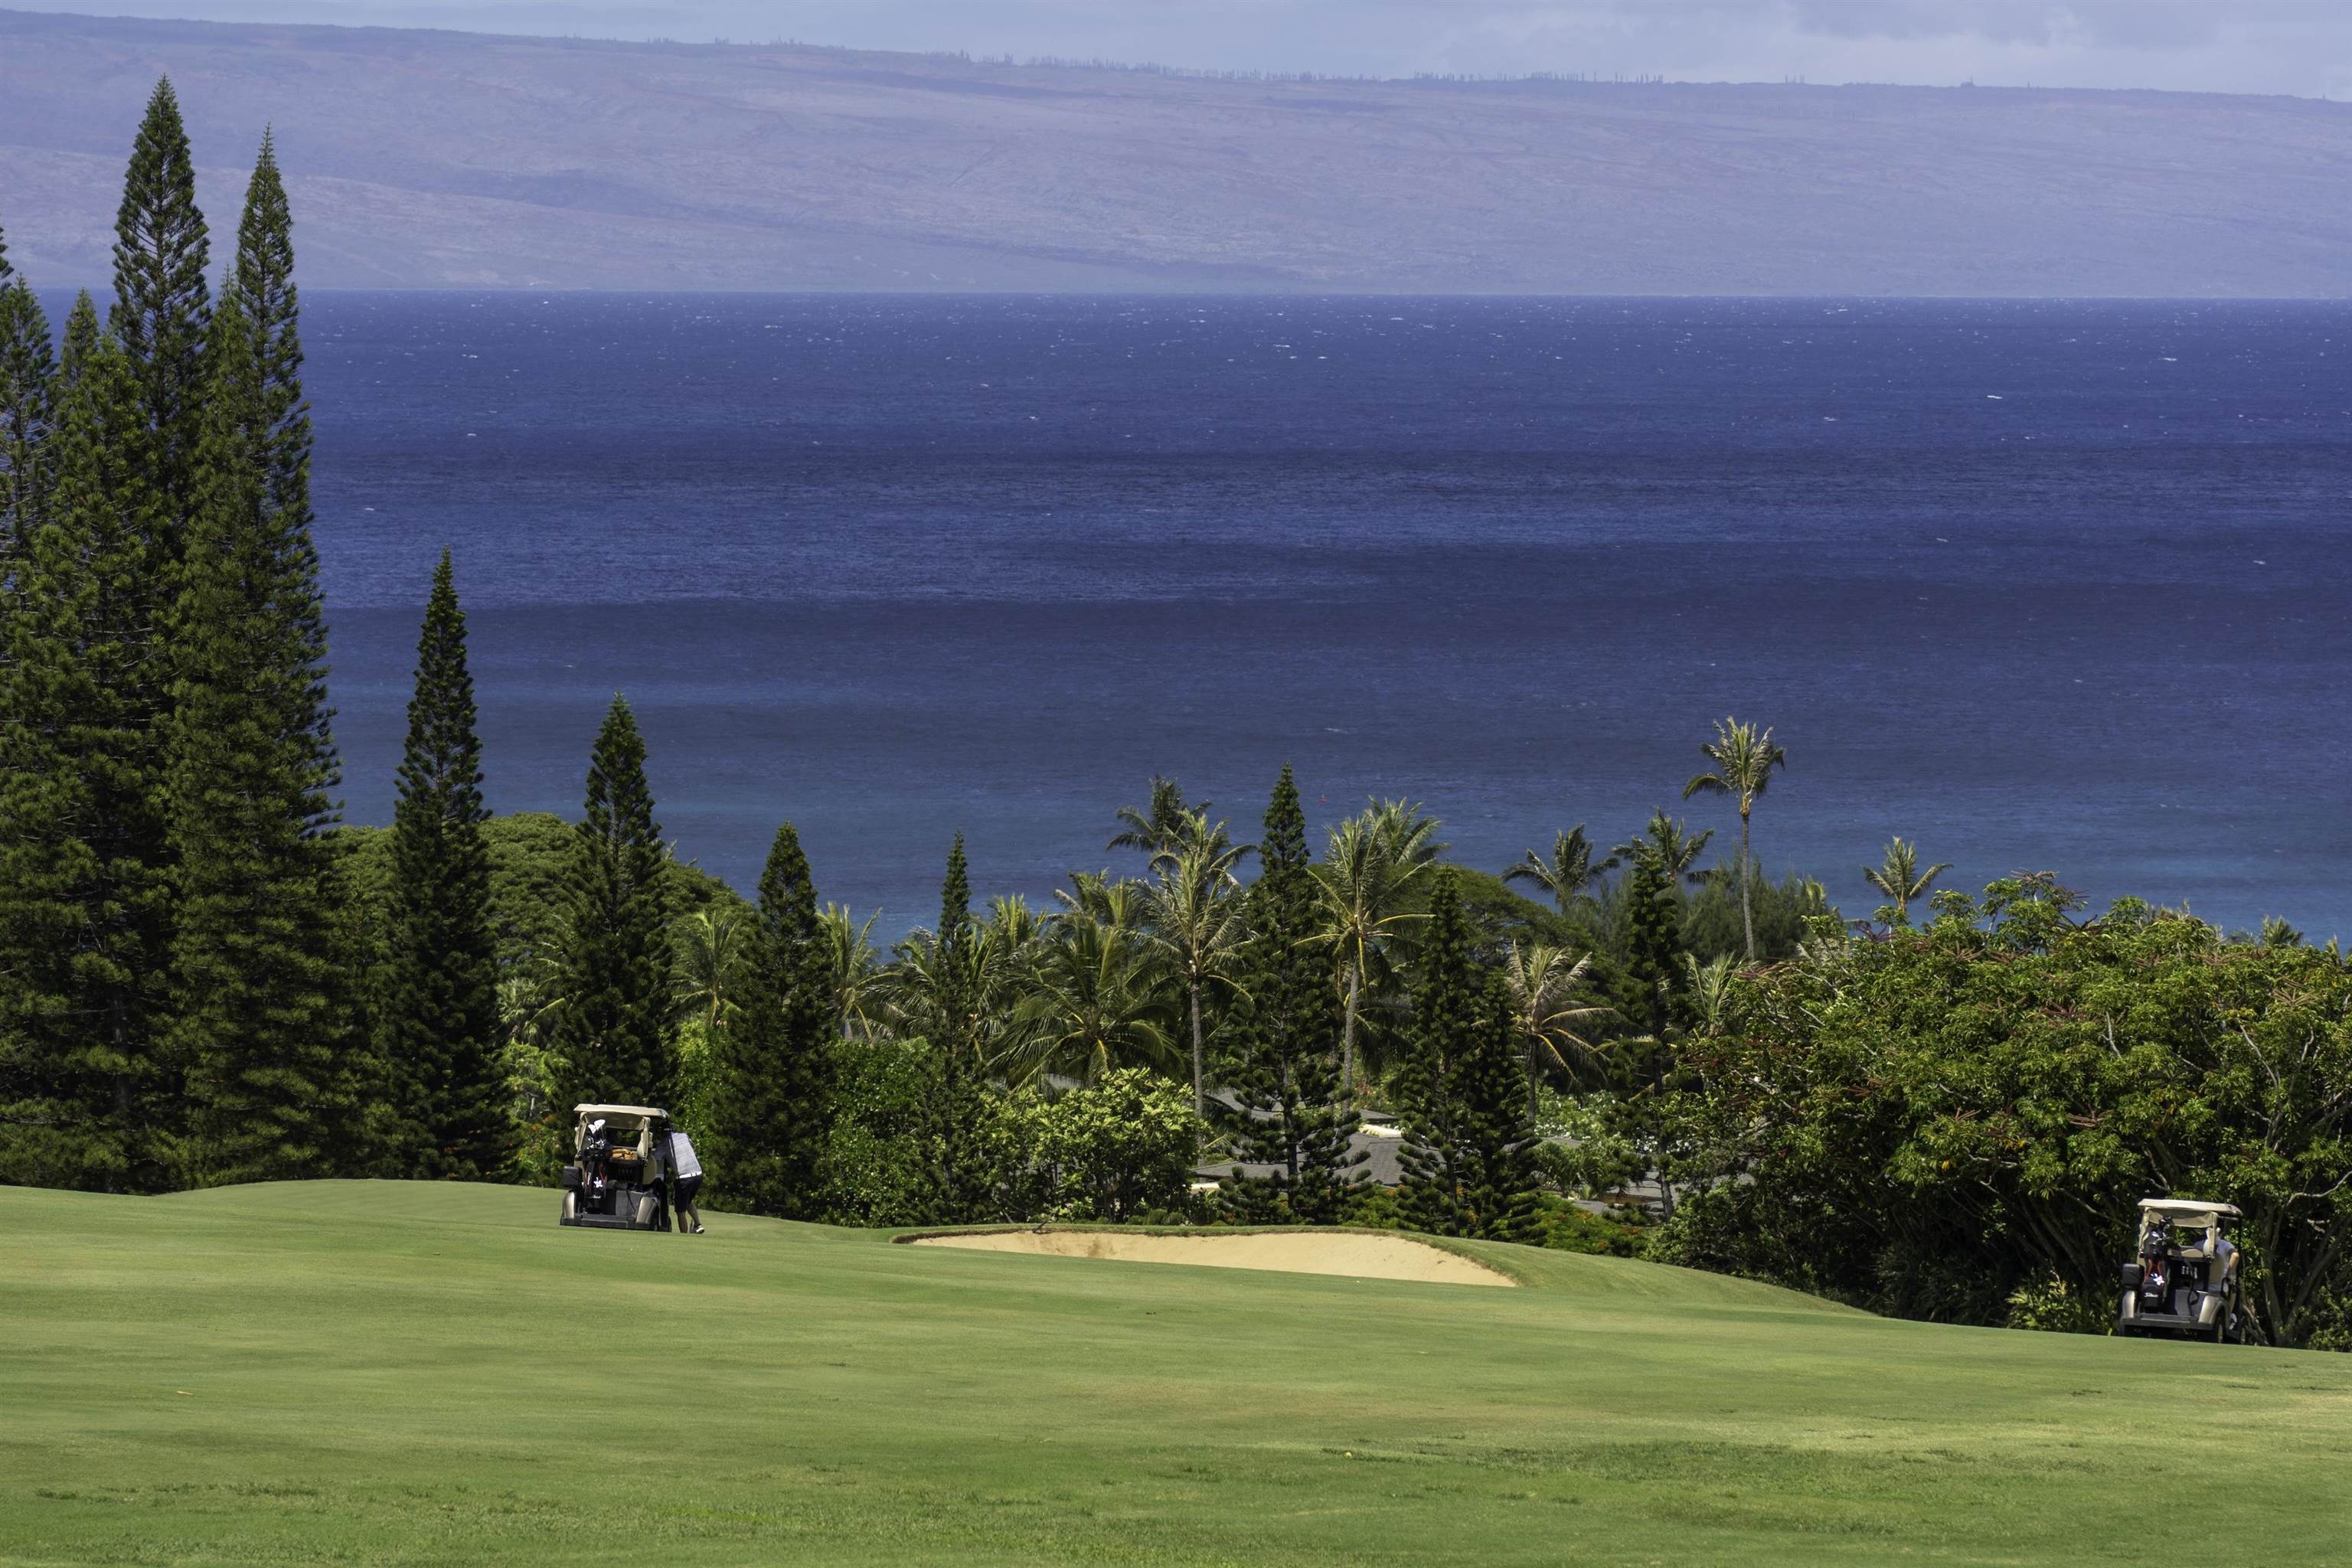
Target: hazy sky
x,y
2300,47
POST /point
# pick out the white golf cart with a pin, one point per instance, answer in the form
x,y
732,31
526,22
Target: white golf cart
x,y
613,1182
2183,1282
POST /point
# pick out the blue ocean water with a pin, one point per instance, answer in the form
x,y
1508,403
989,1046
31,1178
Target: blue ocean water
x,y
2061,587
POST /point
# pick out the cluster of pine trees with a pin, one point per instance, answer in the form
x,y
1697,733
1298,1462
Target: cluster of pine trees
x,y
190,991
168,911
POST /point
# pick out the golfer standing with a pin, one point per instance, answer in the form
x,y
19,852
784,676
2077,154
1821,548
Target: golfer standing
x,y
685,1181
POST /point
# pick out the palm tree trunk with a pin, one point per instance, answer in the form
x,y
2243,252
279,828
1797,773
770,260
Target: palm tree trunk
x,y
1291,1126
1200,1098
1348,1039
1747,921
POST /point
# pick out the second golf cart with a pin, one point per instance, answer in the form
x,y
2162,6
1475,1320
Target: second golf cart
x,y
2184,1280
619,1156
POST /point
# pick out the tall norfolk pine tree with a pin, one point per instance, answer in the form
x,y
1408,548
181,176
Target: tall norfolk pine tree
x,y
91,1099
263,281
955,939
1284,1078
774,1080
261,991
27,392
436,1004
611,1029
1653,938
162,308
1495,1162
1443,1033
261,1013
1467,1153
959,1088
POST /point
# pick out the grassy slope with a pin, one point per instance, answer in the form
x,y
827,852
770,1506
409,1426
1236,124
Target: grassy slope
x,y
294,1374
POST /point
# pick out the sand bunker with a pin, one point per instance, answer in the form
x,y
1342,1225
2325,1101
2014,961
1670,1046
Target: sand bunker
x,y
1296,1252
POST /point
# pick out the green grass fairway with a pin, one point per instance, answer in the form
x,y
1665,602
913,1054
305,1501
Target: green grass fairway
x,y
409,1374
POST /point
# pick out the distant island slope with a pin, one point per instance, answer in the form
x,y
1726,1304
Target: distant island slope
x,y
449,159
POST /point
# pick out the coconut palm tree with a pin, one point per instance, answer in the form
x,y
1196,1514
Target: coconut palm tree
x,y
1744,759
1193,914
1116,901
1899,877
912,993
527,1003
1408,829
1707,986
1012,923
1541,980
916,995
1367,884
1666,843
1569,871
710,946
1161,824
1093,1000
530,995
530,992
851,965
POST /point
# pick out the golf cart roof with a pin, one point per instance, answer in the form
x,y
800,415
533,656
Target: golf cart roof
x,y
2186,1208
645,1112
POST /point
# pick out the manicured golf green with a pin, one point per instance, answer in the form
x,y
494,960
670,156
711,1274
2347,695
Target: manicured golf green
x,y
406,1373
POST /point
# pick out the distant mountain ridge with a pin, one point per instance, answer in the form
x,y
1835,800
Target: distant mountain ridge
x,y
424,159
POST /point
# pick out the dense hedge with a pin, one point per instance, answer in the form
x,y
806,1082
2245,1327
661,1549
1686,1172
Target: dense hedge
x,y
1958,1123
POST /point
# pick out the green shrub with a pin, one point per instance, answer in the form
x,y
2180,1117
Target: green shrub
x,y
1566,1227
2053,1305
1121,1151
877,1166
1586,1150
1371,1208
1116,1149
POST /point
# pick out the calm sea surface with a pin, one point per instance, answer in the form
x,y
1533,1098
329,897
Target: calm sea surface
x,y
2048,586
